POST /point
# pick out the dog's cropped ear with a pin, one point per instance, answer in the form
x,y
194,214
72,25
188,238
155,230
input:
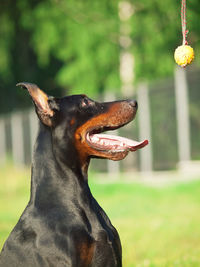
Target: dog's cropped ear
x,y
41,101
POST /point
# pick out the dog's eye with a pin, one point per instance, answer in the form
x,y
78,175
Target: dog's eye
x,y
86,102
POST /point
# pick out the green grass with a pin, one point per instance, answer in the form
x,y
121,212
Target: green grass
x,y
157,226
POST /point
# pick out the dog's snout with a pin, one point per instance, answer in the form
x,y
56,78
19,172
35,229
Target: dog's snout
x,y
133,103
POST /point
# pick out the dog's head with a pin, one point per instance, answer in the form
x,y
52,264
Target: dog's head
x,y
80,122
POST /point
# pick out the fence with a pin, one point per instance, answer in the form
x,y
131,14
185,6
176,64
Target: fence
x,y
156,120
18,132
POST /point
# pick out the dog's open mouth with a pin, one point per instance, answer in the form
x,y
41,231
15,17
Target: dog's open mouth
x,y
101,145
113,143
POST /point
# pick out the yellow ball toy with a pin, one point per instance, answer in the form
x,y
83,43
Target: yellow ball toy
x,y
184,55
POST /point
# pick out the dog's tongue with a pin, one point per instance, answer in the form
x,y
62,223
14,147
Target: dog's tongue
x,y
117,142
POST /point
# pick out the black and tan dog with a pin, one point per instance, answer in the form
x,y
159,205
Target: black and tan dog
x,y
63,225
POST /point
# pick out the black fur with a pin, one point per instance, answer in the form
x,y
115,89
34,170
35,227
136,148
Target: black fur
x,y
62,225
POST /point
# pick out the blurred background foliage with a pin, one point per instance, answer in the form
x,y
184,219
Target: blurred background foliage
x,y
68,46
156,32
73,46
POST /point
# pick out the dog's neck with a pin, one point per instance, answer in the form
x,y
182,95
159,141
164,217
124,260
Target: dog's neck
x,y
51,174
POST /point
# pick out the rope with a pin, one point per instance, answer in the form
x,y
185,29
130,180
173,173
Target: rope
x,y
183,21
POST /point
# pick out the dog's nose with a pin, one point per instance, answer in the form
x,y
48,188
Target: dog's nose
x,y
133,103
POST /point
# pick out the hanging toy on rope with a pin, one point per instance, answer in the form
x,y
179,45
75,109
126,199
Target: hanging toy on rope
x,y
184,54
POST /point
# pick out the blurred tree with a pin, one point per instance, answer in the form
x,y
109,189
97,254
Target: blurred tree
x,y
67,45
81,35
18,61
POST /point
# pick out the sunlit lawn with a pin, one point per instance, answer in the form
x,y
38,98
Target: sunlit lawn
x,y
157,226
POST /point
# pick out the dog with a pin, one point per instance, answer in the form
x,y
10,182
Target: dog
x,y
63,225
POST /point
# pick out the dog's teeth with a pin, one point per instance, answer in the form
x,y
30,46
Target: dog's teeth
x,y
95,139
101,142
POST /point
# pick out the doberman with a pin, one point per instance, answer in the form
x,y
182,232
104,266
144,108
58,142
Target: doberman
x,y
63,225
